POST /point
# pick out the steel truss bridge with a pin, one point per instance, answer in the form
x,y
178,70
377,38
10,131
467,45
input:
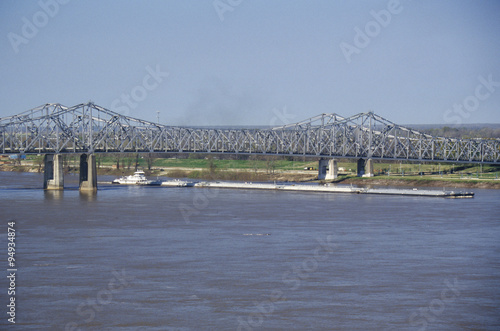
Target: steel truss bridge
x,y
89,128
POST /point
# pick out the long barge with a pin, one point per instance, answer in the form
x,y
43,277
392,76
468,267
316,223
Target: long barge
x,y
336,189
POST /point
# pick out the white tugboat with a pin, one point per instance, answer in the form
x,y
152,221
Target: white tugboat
x,y
138,178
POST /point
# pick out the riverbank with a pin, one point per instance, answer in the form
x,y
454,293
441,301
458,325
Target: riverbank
x,y
298,176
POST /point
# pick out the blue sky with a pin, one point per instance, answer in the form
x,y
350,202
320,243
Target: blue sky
x,y
255,62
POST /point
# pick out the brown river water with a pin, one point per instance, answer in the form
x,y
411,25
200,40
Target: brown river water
x,y
153,258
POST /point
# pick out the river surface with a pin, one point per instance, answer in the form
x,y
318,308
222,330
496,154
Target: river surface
x,y
153,258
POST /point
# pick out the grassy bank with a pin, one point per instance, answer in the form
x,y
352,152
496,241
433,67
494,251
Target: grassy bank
x,y
264,168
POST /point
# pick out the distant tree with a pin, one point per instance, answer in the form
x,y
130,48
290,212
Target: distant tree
x,y
254,163
270,165
39,163
129,159
212,167
464,132
150,158
66,164
117,158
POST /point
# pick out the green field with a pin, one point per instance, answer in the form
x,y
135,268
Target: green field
x,y
350,167
270,164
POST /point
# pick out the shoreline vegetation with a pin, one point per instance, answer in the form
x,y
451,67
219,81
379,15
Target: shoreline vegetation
x,y
263,168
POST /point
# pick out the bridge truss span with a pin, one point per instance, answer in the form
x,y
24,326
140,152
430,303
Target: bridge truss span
x,y
89,128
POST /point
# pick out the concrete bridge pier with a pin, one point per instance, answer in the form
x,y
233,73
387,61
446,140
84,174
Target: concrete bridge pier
x,y
53,178
88,173
327,169
365,168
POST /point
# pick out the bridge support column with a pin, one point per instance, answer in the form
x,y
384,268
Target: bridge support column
x,y
88,173
365,168
53,178
327,169
369,168
322,164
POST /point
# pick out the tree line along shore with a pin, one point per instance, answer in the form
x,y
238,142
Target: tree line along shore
x,y
272,168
